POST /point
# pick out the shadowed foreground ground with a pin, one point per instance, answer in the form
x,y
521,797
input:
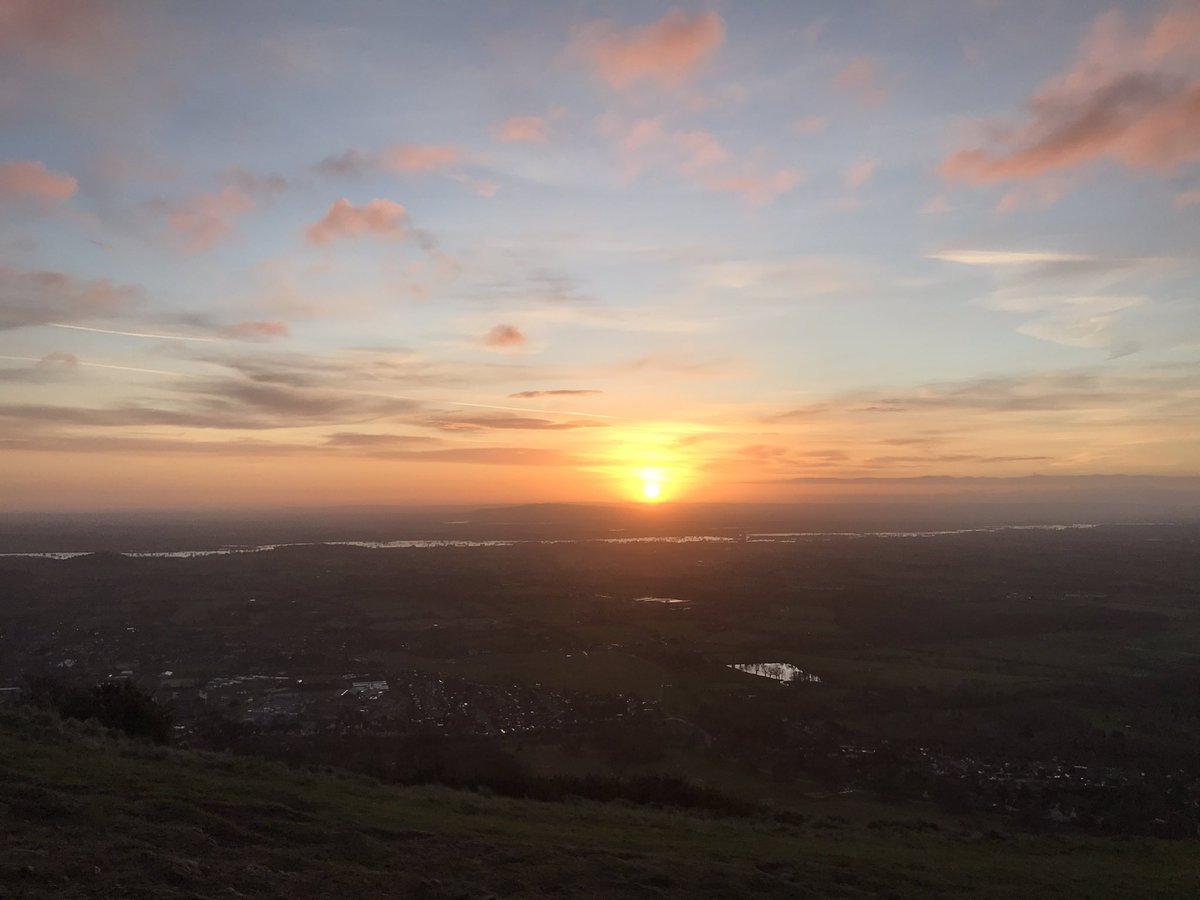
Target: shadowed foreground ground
x,y
83,814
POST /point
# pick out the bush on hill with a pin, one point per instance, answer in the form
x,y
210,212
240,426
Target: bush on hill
x,y
120,705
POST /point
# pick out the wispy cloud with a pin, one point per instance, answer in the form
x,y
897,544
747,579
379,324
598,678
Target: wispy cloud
x,y
25,179
771,280
858,175
861,77
79,38
1187,198
376,440
257,330
1132,97
1168,390
39,298
811,125
420,158
60,361
561,392
515,423
1005,257
756,186
525,130
1073,299
350,162
202,221
403,159
695,157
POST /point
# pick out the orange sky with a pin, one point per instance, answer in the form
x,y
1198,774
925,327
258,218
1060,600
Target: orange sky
x,y
448,253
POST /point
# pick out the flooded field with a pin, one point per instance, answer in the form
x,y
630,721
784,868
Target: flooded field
x,y
753,538
777,671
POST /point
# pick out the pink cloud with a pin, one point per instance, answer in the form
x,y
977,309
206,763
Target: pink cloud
x,y
1034,194
32,180
757,188
699,150
697,158
1132,97
859,174
665,53
482,187
1187,198
811,125
504,336
640,136
861,76
1177,33
205,220
75,35
382,218
525,129
416,158
58,358
645,144
935,206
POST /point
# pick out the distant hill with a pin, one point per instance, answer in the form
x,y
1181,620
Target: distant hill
x,y
84,814
827,504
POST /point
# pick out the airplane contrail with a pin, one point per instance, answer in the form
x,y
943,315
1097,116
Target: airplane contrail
x,y
143,334
92,365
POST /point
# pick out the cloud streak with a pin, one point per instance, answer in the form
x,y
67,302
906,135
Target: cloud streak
x,y
518,423
528,395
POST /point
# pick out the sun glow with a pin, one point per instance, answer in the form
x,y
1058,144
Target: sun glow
x,y
646,463
652,485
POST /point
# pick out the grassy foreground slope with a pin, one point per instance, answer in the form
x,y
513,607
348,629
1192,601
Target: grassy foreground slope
x,y
83,814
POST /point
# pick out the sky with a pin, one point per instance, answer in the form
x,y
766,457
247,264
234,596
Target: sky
x,y
302,254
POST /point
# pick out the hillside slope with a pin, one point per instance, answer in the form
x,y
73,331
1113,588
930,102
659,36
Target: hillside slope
x,y
83,814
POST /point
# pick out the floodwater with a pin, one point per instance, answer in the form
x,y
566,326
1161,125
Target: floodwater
x,y
761,538
776,671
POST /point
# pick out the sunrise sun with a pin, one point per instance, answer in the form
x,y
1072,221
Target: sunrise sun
x,y
652,484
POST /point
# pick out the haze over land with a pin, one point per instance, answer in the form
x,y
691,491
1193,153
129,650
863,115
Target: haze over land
x,y
463,253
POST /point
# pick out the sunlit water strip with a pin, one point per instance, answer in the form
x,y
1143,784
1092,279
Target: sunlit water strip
x,y
784,672
783,537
